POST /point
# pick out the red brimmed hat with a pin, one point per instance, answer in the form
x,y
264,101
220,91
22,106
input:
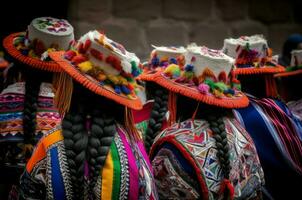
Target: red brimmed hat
x,y
44,34
204,77
295,67
161,57
252,55
104,67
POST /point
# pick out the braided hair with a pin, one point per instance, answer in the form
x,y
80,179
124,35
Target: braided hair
x,y
214,116
158,113
33,79
88,130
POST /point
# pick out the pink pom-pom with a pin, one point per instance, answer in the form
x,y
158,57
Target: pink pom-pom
x,y
203,88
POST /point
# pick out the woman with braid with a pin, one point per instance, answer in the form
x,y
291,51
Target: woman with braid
x,y
204,153
97,153
27,108
273,127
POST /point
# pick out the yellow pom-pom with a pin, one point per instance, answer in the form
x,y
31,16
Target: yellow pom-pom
x,y
101,77
122,80
85,66
217,93
113,79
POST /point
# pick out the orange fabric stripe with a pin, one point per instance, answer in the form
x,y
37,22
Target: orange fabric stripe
x,y
40,151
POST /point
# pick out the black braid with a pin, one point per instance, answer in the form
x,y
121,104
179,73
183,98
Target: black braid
x,y
214,116
75,141
220,135
157,117
102,133
32,89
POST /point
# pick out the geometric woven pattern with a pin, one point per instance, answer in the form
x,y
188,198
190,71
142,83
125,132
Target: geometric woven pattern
x,y
186,166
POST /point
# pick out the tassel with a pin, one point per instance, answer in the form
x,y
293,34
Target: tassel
x,y
63,85
226,188
222,77
270,86
172,107
130,125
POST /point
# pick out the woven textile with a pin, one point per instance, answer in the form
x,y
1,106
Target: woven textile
x,y
186,166
126,174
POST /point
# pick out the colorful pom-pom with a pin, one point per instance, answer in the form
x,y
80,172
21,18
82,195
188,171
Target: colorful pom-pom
x,y
229,91
155,62
85,66
221,86
78,59
101,77
87,45
117,89
69,54
125,89
115,62
189,67
173,61
173,71
203,88
95,53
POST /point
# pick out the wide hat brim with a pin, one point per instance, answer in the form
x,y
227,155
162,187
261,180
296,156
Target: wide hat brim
x,y
8,44
148,75
92,84
240,101
260,70
287,74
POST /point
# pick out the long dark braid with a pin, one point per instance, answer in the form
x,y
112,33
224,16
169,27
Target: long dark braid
x,y
75,141
102,132
158,114
214,116
91,143
32,88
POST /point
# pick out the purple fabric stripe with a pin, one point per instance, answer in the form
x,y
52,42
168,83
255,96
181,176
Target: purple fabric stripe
x,y
133,171
285,130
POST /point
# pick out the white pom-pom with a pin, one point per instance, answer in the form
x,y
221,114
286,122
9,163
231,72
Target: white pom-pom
x,y
126,66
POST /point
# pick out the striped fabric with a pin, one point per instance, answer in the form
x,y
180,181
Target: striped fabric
x,y
126,174
11,120
277,136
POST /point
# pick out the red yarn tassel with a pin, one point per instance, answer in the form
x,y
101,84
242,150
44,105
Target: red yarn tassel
x,y
226,187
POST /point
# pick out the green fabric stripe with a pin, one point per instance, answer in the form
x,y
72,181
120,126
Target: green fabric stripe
x,y
142,126
116,172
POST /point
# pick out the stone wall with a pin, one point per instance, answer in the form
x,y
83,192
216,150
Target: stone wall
x,y
139,23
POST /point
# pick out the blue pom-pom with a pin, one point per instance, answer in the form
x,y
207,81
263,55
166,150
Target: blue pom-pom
x,y
229,91
125,90
135,73
24,52
189,68
117,89
101,83
155,61
173,61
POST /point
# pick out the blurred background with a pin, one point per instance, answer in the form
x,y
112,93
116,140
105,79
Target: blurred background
x,y
139,23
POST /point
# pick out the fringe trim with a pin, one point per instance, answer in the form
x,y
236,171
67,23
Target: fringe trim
x,y
172,107
262,70
93,85
50,66
270,86
237,102
285,74
130,125
63,86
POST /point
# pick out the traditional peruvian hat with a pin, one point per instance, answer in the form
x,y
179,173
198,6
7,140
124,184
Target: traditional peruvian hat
x,y
204,77
295,67
252,55
43,35
161,57
104,67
